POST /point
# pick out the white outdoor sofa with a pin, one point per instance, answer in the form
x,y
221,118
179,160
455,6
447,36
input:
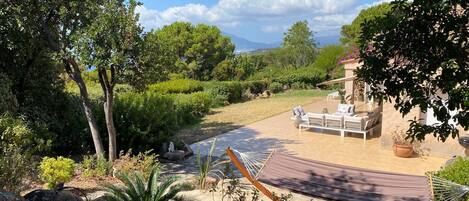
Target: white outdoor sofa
x,y
342,123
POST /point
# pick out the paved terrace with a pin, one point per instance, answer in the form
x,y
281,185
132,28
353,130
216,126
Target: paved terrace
x,y
278,132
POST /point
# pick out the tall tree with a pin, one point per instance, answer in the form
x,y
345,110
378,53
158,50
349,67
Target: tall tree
x,y
37,34
418,56
300,43
194,50
111,44
61,26
350,33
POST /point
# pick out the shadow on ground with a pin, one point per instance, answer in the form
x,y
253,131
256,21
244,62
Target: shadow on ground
x,y
243,140
342,186
206,130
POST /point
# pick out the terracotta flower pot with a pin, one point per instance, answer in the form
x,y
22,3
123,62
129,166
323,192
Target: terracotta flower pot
x,y
402,150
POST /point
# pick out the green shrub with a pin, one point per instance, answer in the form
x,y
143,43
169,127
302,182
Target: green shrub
x,y
308,76
328,58
16,132
177,86
143,162
144,120
54,171
276,87
232,91
14,168
8,102
92,166
299,85
256,87
457,172
191,107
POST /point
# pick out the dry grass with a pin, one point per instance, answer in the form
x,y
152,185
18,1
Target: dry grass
x,y
234,116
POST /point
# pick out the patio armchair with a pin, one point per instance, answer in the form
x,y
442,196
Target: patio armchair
x,y
299,114
345,110
361,125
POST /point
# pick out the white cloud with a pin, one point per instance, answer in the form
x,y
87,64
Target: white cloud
x,y
233,12
271,16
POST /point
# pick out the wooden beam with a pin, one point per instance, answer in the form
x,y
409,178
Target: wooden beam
x,y
246,174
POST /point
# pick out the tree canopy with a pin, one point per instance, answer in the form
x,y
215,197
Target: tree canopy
x,y
299,41
417,55
193,50
112,44
351,32
328,57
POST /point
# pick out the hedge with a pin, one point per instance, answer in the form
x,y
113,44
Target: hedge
x,y
190,108
232,91
306,76
145,120
177,86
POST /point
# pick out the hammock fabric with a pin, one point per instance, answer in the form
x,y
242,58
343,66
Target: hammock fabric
x,y
338,182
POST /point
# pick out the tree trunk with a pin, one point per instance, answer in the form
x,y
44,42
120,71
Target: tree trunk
x,y
108,89
75,75
110,125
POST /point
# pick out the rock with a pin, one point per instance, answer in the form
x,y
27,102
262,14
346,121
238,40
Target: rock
x,y
6,196
96,196
188,150
164,148
266,94
177,155
210,181
51,195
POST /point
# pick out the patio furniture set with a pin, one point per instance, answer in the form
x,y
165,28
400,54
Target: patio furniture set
x,y
344,120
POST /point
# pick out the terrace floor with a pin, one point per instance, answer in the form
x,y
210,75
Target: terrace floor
x,y
278,133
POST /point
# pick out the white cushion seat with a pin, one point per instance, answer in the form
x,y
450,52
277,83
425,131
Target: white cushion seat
x,y
355,123
345,110
333,121
315,119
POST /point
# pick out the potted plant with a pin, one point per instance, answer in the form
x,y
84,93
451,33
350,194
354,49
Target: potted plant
x,y
402,147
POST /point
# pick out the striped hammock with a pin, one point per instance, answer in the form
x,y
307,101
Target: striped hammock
x,y
338,182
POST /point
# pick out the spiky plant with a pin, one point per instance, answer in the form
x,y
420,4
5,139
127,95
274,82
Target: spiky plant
x,y
137,189
208,167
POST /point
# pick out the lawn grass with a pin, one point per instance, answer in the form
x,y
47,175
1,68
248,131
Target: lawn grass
x,y
233,116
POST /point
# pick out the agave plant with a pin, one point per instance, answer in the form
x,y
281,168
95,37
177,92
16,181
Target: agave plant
x,y
137,189
208,167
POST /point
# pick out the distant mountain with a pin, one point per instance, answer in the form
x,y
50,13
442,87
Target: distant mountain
x,y
245,45
327,40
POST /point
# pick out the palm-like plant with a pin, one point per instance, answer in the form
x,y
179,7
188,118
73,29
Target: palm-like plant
x,y
137,189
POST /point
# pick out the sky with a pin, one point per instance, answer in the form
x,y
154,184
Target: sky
x,y
256,20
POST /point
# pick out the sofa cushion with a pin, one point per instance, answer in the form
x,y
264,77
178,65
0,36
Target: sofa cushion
x,y
356,123
343,108
315,119
333,121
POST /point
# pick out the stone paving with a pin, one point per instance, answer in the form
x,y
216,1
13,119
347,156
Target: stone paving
x,y
278,133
